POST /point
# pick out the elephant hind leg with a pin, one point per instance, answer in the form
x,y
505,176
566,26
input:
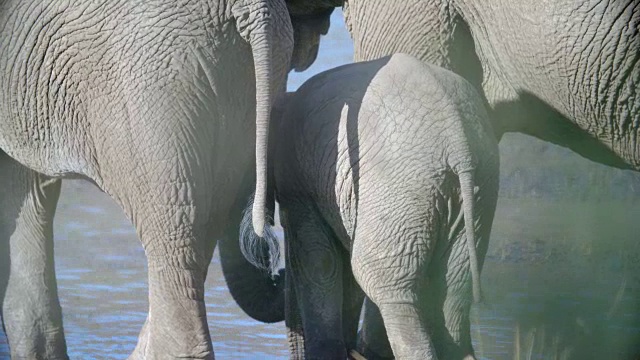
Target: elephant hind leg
x,y
455,340
351,304
373,341
390,266
32,316
172,214
178,254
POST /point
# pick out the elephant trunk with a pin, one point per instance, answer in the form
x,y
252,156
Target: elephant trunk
x,y
248,266
467,186
259,294
265,26
293,321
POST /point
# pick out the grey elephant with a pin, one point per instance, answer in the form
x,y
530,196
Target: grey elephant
x,y
378,168
566,71
165,107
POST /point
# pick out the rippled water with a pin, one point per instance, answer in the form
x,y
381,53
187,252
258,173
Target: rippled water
x,y
102,281
102,284
536,300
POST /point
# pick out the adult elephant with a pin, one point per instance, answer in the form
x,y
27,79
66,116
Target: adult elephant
x,y
163,106
565,71
382,204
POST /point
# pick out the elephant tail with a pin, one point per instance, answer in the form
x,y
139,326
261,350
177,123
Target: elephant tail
x,y
467,185
261,47
253,246
255,24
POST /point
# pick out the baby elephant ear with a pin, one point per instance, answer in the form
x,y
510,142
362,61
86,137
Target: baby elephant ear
x,y
307,30
280,103
278,121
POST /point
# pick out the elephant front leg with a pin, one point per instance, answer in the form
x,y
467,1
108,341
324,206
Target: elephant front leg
x,y
456,341
293,320
315,268
31,311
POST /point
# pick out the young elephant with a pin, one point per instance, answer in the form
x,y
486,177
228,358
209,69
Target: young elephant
x,y
379,162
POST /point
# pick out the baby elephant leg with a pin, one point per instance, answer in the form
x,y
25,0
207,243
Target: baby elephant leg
x,y
351,304
316,269
456,342
457,299
390,267
31,311
373,342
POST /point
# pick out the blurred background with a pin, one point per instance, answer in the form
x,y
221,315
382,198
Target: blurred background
x,y
561,280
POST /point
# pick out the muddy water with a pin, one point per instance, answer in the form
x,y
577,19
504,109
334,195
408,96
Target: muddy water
x,y
577,298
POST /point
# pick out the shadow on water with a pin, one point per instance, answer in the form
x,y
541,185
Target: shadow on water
x,y
562,282
555,317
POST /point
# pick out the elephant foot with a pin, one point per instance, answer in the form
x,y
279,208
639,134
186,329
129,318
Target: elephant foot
x,y
150,348
143,343
176,326
27,341
146,350
31,356
48,351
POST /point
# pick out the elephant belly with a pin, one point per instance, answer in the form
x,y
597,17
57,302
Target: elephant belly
x,y
42,148
568,67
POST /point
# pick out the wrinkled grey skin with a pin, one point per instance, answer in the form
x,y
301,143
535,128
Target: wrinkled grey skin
x,y
160,105
375,168
31,311
564,71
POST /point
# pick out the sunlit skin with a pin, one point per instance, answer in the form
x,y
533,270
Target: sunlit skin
x,y
564,71
163,107
377,166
